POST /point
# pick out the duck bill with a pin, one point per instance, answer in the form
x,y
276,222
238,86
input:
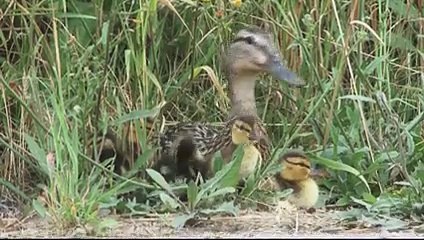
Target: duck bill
x,y
280,72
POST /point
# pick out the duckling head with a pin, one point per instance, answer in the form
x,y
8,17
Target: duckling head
x,y
243,130
105,146
253,52
296,167
109,146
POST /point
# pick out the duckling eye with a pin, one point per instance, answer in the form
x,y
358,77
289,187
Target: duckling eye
x,y
244,128
237,127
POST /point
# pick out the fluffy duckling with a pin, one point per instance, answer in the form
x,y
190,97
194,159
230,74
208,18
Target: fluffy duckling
x,y
124,150
183,161
296,174
106,148
243,132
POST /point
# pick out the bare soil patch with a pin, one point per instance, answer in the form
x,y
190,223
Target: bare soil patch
x,y
280,223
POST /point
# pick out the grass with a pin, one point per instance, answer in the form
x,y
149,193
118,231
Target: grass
x,y
69,69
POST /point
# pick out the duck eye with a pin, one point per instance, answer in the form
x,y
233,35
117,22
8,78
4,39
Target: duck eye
x,y
249,40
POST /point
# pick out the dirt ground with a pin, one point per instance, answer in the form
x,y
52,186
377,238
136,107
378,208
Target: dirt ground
x,y
278,223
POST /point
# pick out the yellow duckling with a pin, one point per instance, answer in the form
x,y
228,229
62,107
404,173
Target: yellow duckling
x,y
243,132
296,173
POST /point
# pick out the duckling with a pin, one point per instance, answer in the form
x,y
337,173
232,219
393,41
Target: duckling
x,y
251,52
296,174
193,152
182,162
107,148
184,146
124,150
244,132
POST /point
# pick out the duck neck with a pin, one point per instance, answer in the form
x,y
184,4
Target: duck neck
x,y
242,94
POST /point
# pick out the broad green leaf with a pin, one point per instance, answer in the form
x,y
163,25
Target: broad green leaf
x,y
374,167
158,178
180,221
249,186
158,85
41,210
374,64
361,202
226,207
341,166
351,214
169,201
284,193
105,32
384,156
403,9
343,201
107,223
368,197
75,15
138,114
386,204
414,122
39,154
213,183
410,143
127,57
358,97
385,222
231,178
192,191
4,182
218,162
400,42
112,203
222,191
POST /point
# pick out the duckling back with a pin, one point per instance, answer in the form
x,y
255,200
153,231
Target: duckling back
x,y
182,159
189,159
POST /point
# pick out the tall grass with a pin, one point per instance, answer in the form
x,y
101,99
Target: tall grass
x,y
76,67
